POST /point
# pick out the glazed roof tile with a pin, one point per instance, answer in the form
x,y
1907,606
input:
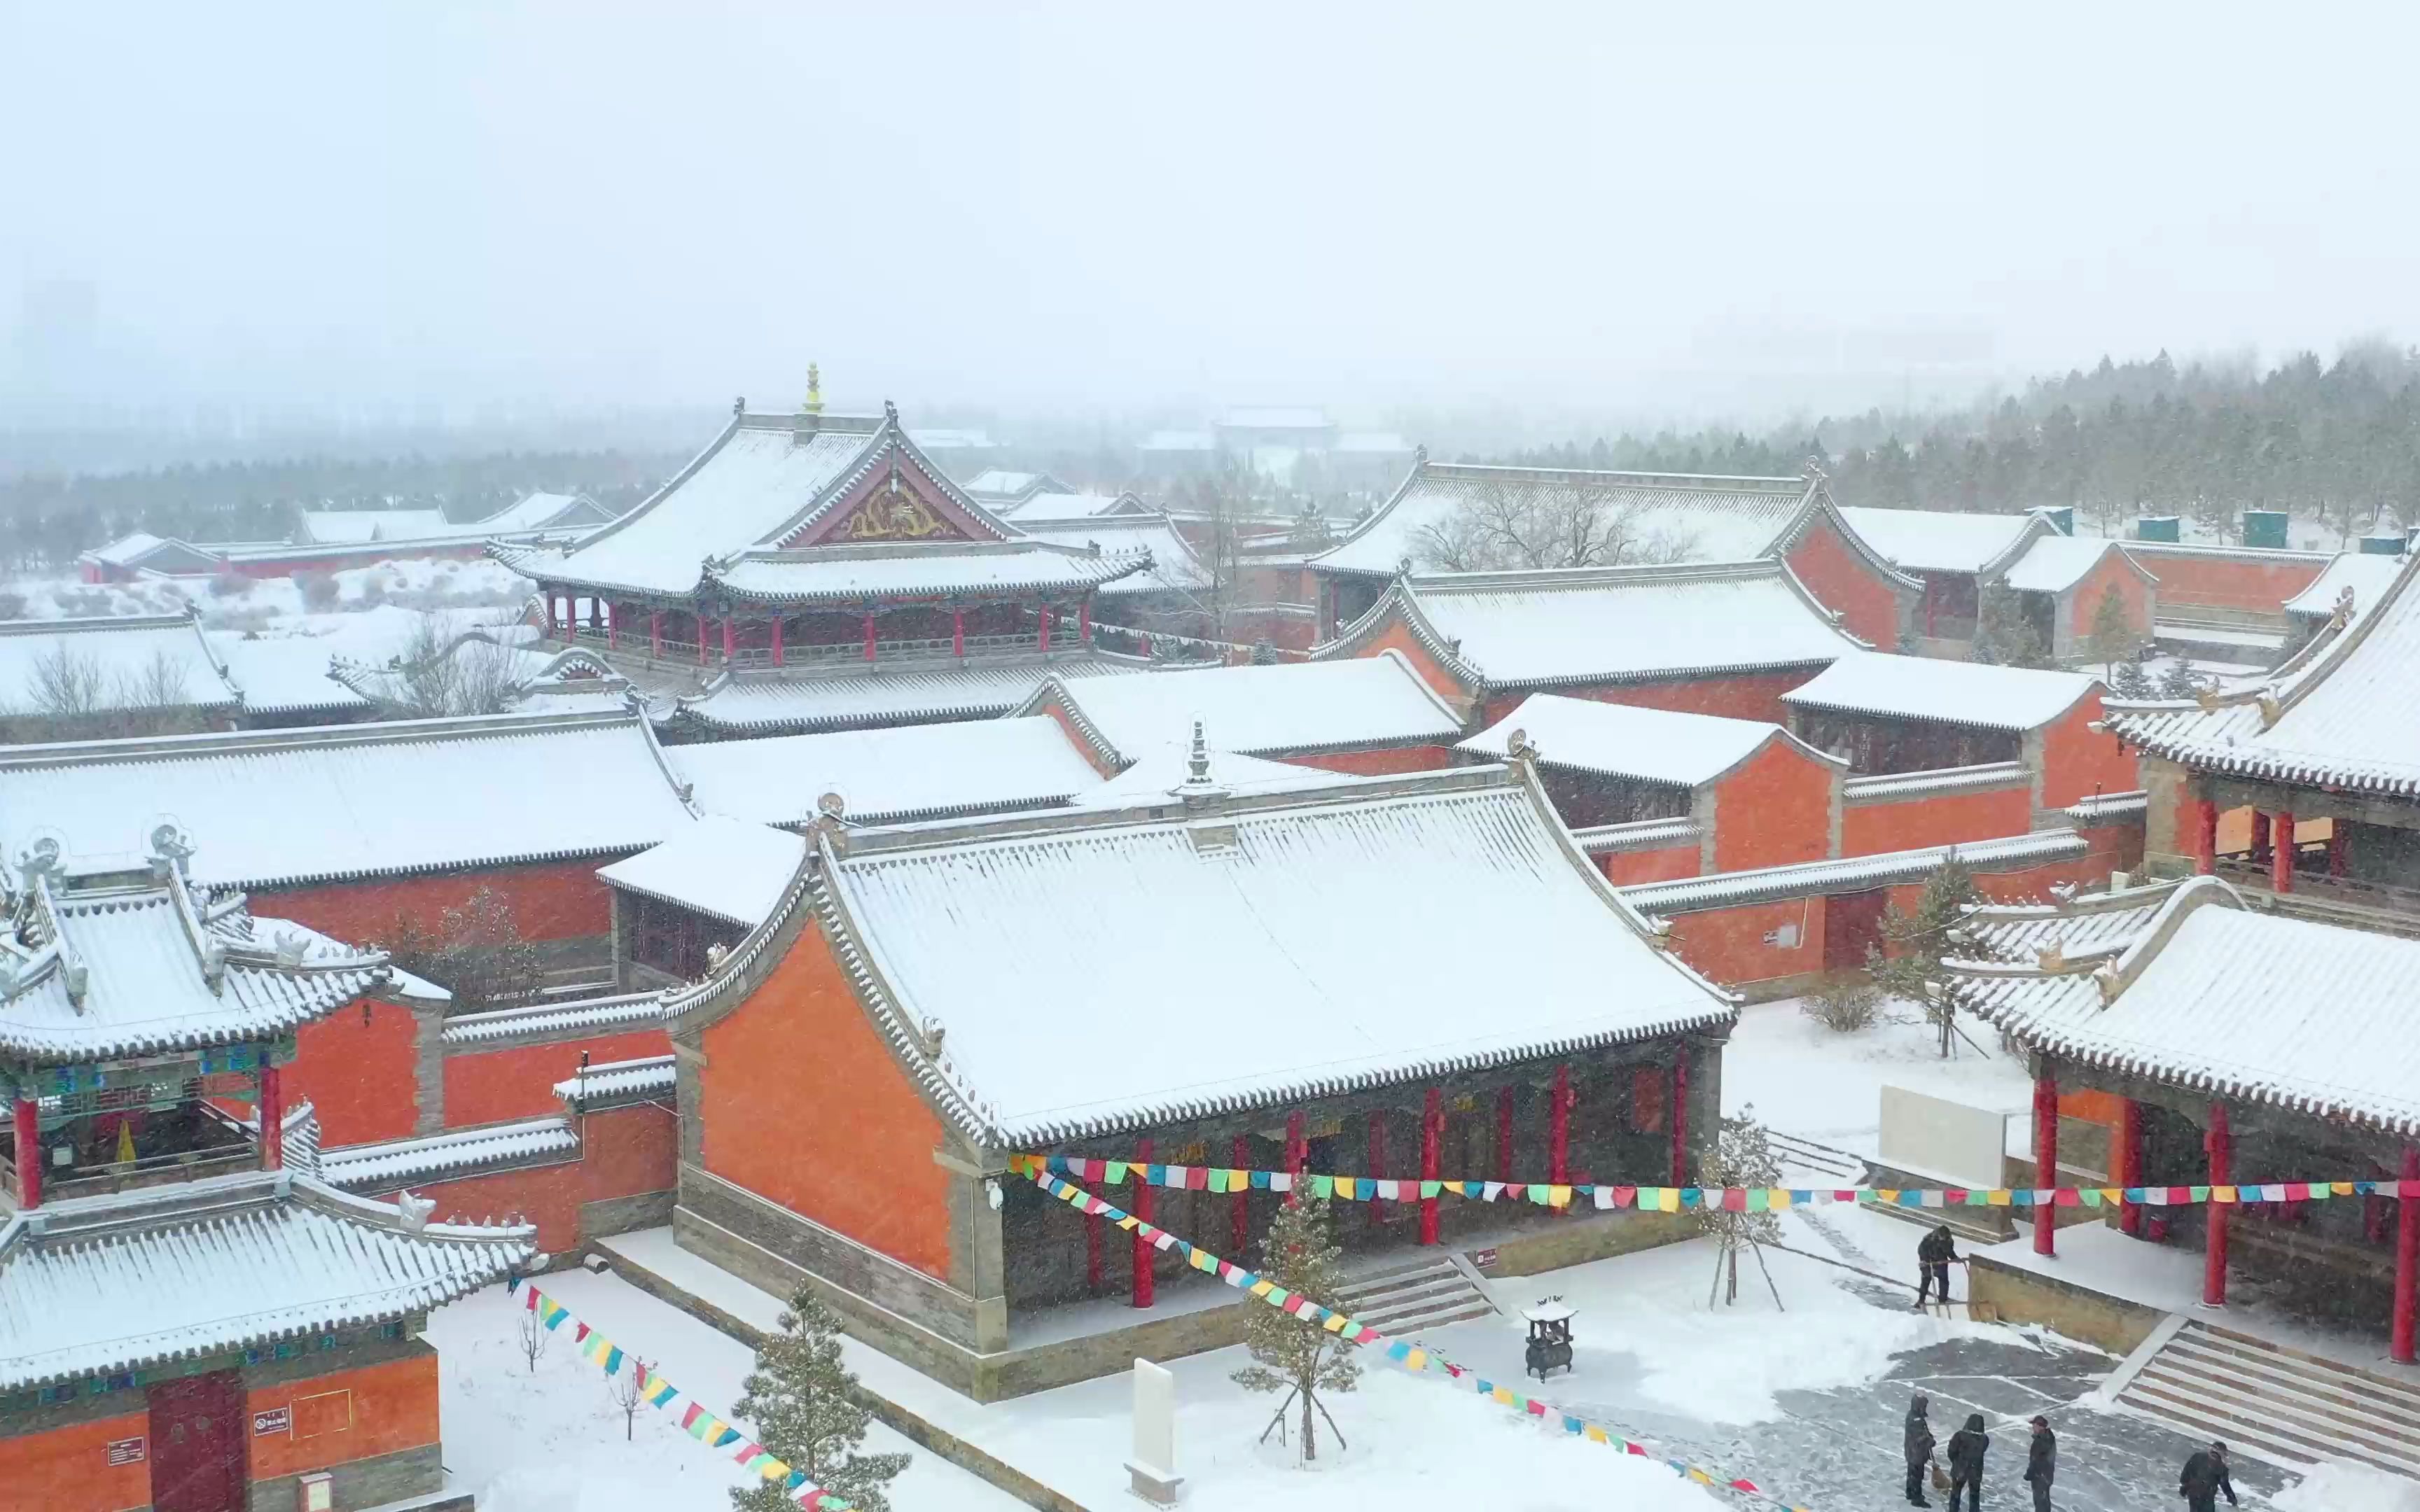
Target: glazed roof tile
x,y
888,693
886,776
1949,692
1641,745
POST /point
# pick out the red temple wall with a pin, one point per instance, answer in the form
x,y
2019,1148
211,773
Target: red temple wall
x,y
1940,819
2077,762
1623,868
68,1469
551,900
360,1075
1775,810
2230,581
2111,572
1750,696
517,1081
870,1176
382,1409
1843,580
1382,762
1393,636
624,1153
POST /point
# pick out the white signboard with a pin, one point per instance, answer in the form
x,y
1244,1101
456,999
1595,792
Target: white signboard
x,y
1931,1136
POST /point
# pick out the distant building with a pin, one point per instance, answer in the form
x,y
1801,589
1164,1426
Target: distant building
x,y
334,540
1292,444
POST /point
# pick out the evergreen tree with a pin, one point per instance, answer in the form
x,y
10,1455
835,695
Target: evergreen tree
x,y
2130,681
2004,635
1301,1253
2181,680
1743,1156
2113,638
803,1403
1914,943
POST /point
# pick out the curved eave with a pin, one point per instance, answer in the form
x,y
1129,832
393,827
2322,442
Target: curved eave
x,y
1682,674
428,868
2250,762
852,597
78,1048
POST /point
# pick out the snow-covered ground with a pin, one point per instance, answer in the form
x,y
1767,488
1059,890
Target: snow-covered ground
x,y
1815,1083
552,1440
245,604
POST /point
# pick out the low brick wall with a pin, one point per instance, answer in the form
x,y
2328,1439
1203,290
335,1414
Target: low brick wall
x,y
2076,1312
1577,1241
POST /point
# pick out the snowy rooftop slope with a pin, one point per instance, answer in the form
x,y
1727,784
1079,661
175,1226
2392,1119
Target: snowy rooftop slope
x,y
728,868
591,1016
1936,540
1952,692
2055,563
390,1164
285,674
910,772
284,805
350,527
1289,706
848,574
1275,935
115,972
611,1082
2302,1015
1070,505
125,549
1678,516
542,511
2367,574
2343,710
1585,625
117,658
111,1284
1159,774
888,693
1174,567
2088,922
1011,485
1807,879
1644,745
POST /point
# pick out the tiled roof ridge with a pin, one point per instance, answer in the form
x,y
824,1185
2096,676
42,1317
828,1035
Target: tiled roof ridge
x,y
1884,787
2108,900
890,441
247,742
1802,878
95,1219
2216,549
96,623
1610,575
540,1019
1621,477
1398,598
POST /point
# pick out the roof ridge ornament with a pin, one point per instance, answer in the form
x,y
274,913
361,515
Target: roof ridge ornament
x,y
809,421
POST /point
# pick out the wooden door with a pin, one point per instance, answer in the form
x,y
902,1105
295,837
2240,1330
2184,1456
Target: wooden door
x,y
198,1440
1852,922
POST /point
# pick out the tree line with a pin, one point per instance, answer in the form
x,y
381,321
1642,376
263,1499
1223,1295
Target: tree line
x,y
2333,442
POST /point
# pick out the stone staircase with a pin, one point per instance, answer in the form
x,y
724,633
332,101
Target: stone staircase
x,y
2282,1404
1824,1160
1406,1298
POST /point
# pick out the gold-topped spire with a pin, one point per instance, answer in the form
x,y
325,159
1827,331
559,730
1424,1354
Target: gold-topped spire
x,y
814,405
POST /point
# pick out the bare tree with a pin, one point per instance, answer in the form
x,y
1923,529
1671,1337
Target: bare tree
x,y
476,951
68,684
628,1390
1500,528
441,672
530,1338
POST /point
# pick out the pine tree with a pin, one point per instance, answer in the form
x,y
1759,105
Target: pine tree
x,y
1301,1253
1915,943
2113,638
2181,680
2003,635
803,1400
2130,681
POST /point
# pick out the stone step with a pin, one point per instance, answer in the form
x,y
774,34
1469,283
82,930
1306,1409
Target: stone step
x,y
2389,1411
2404,1385
2191,1413
2283,1410
1396,1303
2279,1402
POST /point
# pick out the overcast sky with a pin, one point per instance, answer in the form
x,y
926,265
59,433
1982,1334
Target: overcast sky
x,y
1698,209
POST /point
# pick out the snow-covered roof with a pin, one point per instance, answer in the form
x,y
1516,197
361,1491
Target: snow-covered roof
x,y
283,675
125,550
611,1083
764,482
2087,922
102,1285
2365,574
275,807
103,664
1940,540
1160,775
729,867
1012,487
352,527
2055,563
1641,745
1606,625
1678,516
392,1164
2344,711
503,658
1899,787
1949,692
1071,504
886,776
1292,910
1174,566
585,1018
2311,1017
96,974
1807,879
855,574
546,511
1352,704
887,693
1640,835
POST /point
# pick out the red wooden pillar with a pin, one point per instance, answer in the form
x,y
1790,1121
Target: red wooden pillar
x,y
272,1119
2336,838
2260,835
869,637
2407,1259
1146,639
730,639
2281,853
612,624
2045,1162
1377,1162
1092,1246
1932,608
1239,1208
2220,1144
1298,1153
1084,621
2205,835
1432,1154
28,1149
1046,626
1559,1128
704,656
958,632
2128,1161
1504,1135
656,633
1143,1249
1681,1116
777,640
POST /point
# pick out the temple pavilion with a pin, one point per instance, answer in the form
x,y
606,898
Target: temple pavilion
x,y
2302,784
811,571
185,1323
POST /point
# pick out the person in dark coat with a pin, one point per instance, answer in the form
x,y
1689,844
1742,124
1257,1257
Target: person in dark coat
x,y
2205,1476
1919,1448
1966,1449
1933,1256
2042,1462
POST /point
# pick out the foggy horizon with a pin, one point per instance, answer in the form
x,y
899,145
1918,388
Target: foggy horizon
x,y
1552,214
